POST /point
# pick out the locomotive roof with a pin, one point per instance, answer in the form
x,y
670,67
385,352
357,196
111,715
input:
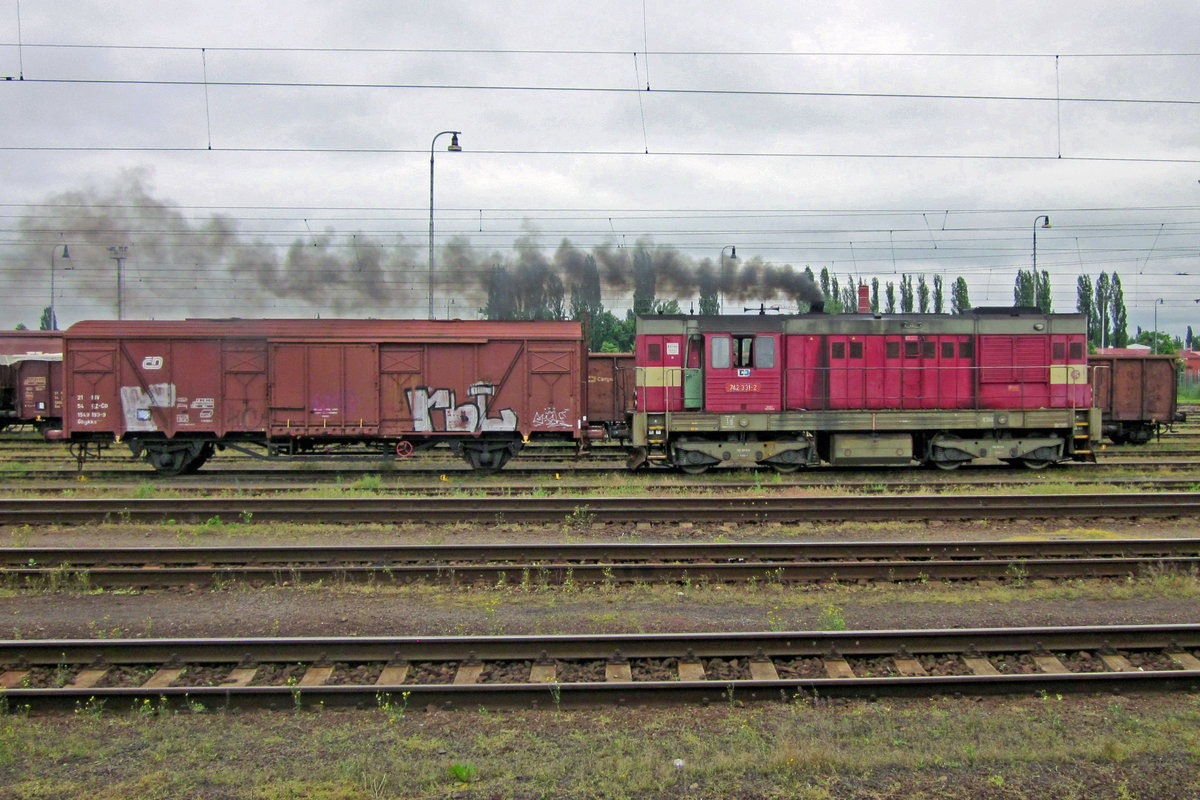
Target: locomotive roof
x,y
357,329
989,320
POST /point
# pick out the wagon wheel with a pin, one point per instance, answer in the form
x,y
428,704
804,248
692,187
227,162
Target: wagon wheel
x,y
484,457
197,461
1036,463
785,469
693,469
948,466
169,462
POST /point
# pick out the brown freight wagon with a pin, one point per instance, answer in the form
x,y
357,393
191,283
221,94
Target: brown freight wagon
x,y
1137,394
176,391
611,385
29,377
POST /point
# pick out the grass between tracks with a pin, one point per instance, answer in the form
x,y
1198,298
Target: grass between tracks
x,y
1046,747
530,607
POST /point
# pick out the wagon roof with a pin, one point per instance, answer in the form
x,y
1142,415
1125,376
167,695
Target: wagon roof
x,y
358,329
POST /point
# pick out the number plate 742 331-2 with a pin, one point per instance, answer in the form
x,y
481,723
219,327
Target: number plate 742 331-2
x,y
743,387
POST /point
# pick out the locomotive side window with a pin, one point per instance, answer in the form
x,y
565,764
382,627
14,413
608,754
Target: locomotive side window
x,y
966,349
1076,351
764,352
654,353
856,349
720,353
1059,351
892,350
947,351
743,351
929,350
837,350
912,349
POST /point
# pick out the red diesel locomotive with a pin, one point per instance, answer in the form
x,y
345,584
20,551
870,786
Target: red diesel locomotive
x,y
862,389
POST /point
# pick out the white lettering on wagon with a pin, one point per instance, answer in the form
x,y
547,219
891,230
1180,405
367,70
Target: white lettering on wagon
x,y
470,417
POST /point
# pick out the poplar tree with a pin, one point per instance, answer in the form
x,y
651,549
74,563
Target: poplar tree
x,y
960,302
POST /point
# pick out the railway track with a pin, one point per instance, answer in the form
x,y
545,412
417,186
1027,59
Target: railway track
x,y
399,673
604,562
252,483
581,512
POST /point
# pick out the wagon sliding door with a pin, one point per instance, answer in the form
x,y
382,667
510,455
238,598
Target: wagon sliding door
x,y
324,389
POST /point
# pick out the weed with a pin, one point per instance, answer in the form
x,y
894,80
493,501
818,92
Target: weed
x,y
464,773
775,620
831,618
394,711
580,519
1018,573
368,483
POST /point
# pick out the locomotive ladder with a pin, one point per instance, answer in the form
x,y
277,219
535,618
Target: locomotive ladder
x,y
1081,449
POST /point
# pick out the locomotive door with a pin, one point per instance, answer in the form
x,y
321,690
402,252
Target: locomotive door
x,y
744,372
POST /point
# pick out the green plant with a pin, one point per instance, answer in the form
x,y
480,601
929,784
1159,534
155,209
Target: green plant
x,y
831,618
464,773
394,711
581,518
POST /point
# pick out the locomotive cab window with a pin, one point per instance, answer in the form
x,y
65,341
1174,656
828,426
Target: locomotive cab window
x,y
720,352
743,351
856,349
947,351
912,349
892,350
1060,351
764,352
966,349
654,353
837,350
1076,350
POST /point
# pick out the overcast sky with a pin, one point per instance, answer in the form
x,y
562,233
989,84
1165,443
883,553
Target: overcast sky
x,y
272,158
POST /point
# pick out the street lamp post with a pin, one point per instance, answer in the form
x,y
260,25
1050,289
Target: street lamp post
x,y
453,148
1045,224
53,321
1154,343
720,266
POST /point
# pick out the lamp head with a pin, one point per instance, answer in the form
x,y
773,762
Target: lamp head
x,y
66,252
454,146
733,253
1046,224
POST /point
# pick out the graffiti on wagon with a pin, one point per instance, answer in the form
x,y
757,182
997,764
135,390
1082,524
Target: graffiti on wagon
x,y
469,417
